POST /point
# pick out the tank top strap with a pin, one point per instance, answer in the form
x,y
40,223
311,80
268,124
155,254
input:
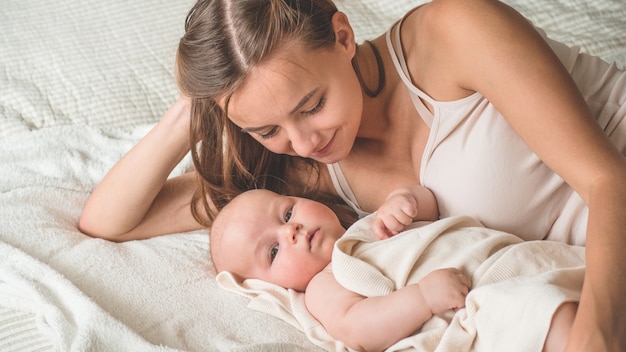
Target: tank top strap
x,y
343,188
397,56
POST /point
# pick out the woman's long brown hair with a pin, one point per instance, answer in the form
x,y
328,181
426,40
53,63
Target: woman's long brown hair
x,y
223,40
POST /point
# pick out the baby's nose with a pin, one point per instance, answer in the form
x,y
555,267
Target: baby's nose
x,y
292,231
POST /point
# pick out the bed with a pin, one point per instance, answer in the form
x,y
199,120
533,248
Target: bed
x,y
80,83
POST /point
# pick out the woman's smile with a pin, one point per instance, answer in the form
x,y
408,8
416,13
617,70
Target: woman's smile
x,y
325,150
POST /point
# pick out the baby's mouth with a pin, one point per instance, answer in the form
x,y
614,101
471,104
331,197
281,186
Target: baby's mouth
x,y
311,237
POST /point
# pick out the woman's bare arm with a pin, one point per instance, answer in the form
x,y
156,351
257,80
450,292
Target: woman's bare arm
x,y
485,46
135,199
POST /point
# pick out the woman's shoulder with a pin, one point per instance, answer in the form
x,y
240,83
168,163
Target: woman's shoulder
x,y
429,41
451,17
440,40
428,27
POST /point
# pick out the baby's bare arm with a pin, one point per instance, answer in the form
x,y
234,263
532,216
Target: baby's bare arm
x,y
376,323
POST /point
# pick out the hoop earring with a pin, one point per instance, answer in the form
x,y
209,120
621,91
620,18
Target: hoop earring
x,y
381,72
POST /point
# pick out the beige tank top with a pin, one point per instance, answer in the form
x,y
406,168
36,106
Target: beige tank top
x,y
476,165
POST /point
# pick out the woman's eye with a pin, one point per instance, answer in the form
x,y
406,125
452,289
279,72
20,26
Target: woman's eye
x,y
269,134
273,253
316,108
288,214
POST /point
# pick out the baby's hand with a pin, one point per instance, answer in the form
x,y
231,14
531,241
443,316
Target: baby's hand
x,y
445,289
398,211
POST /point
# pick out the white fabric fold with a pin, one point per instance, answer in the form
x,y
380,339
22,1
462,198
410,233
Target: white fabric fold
x,y
517,286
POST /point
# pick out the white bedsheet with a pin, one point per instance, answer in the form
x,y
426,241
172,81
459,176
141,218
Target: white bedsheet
x,y
80,83
88,294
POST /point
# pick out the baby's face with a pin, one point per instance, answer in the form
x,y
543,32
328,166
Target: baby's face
x,y
279,239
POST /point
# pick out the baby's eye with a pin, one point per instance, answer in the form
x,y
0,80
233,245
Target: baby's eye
x,y
288,214
273,253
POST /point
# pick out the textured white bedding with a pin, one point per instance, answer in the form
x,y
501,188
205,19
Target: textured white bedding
x,y
80,82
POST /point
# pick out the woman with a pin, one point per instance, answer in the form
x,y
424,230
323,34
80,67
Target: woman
x,y
463,97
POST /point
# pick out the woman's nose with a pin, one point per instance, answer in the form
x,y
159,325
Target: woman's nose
x,y
304,143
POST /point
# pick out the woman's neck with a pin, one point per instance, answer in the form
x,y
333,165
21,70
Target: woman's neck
x,y
375,118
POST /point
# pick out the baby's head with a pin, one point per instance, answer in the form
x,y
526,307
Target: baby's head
x,y
279,239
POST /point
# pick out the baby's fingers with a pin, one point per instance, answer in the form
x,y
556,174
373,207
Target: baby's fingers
x,y
392,225
466,282
463,286
404,217
380,230
461,282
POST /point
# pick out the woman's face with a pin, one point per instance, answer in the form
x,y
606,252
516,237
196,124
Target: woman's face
x,y
301,102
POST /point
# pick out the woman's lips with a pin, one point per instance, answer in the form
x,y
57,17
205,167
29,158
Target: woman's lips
x,y
325,150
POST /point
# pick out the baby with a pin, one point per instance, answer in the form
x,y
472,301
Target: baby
x,y
289,242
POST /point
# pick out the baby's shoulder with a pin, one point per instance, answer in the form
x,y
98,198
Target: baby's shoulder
x,y
322,280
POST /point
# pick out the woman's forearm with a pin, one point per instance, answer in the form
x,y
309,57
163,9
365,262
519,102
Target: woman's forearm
x,y
599,315
126,196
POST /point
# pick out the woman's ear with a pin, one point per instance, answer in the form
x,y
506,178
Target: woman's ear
x,y
344,35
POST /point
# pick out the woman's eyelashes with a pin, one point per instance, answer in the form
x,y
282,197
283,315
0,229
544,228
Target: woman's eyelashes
x,y
317,108
269,134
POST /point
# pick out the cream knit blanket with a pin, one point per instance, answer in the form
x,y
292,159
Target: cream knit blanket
x,y
517,285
